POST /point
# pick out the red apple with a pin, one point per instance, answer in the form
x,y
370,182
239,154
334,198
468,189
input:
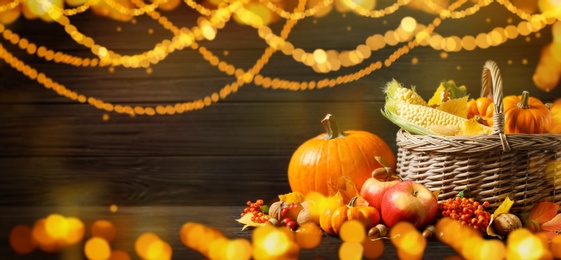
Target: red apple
x,y
409,201
374,189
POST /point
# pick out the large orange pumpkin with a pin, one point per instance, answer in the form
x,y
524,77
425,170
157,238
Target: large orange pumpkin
x,y
525,114
325,158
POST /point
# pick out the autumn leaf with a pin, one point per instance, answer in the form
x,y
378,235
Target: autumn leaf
x,y
544,217
553,225
447,90
436,193
543,212
472,127
436,98
456,106
246,220
292,198
346,188
383,162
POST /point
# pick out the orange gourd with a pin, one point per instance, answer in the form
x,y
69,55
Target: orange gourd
x,y
332,219
525,114
555,110
482,109
329,156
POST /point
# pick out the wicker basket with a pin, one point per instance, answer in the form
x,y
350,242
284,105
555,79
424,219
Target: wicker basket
x,y
523,167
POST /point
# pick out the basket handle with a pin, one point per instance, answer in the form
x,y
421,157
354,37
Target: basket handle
x,y
492,87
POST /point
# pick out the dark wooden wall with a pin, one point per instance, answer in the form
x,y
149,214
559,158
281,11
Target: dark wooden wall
x,y
57,152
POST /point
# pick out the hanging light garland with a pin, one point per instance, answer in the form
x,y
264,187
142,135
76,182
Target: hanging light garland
x,y
409,33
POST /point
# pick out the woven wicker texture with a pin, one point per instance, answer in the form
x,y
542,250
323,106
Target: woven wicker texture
x,y
524,167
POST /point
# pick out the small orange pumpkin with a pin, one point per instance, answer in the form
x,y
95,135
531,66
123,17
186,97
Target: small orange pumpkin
x,y
482,109
555,109
334,154
332,219
525,114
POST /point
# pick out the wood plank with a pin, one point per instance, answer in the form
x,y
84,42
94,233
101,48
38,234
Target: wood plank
x,y
249,129
141,181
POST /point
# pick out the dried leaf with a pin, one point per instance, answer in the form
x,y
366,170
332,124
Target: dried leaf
x,y
246,220
382,161
436,193
543,212
457,106
347,189
447,90
436,98
503,208
292,198
553,225
445,96
472,127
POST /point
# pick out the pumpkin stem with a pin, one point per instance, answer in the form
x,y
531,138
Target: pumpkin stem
x,y
524,100
331,127
352,202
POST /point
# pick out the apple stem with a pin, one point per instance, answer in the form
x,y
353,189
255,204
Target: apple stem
x,y
415,193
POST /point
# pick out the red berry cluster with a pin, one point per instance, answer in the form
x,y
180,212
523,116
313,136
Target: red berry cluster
x,y
467,210
255,209
289,223
286,220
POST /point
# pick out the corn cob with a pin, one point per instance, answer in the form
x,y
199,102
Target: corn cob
x,y
426,120
395,91
427,117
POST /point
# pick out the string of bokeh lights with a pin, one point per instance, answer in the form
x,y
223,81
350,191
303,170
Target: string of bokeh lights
x,y
409,33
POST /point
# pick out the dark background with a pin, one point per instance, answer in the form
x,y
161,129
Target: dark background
x,y
56,152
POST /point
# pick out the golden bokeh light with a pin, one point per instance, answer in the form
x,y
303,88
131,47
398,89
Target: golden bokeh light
x,y
104,229
21,240
97,248
408,24
119,255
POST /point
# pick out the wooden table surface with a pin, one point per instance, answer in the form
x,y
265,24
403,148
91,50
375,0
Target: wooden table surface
x,y
165,221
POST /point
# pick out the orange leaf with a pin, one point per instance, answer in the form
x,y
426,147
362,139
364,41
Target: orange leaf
x,y
543,212
553,225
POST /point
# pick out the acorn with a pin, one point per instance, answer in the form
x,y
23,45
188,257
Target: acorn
x,y
378,231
